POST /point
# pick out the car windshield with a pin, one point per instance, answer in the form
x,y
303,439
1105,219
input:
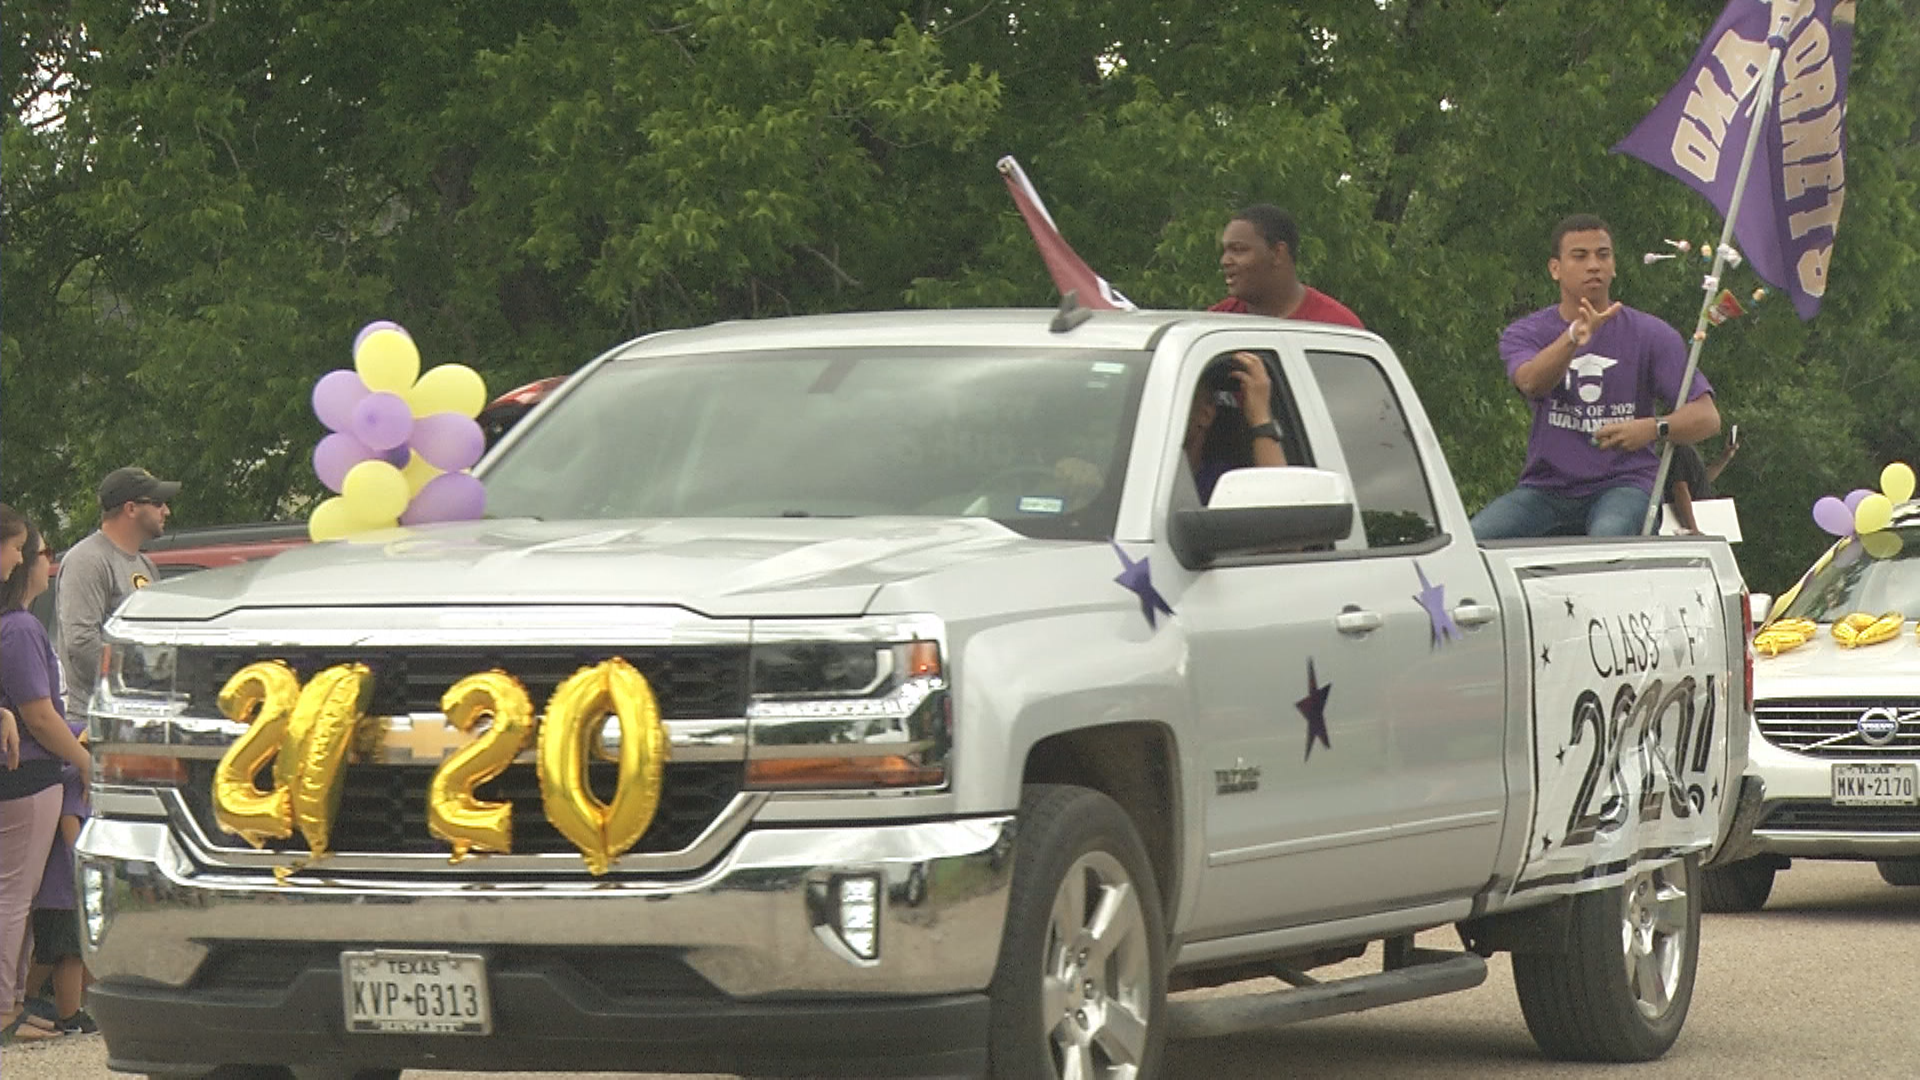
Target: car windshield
x,y
1034,438
1866,584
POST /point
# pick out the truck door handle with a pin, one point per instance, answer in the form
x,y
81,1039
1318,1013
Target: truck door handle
x,y
1352,620
1472,614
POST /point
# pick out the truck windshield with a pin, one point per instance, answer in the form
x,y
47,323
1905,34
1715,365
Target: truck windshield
x,y
1036,439
1864,584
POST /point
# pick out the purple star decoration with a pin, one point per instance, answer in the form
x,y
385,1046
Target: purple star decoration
x,y
1434,599
1137,579
1314,708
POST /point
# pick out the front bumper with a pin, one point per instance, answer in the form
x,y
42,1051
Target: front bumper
x,y
736,969
1798,819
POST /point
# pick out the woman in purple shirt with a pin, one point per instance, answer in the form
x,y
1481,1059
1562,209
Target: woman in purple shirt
x,y
30,794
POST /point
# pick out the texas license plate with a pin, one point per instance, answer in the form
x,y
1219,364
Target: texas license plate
x,y
416,991
1875,785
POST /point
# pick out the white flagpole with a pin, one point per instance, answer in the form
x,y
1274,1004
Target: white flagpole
x,y
1764,96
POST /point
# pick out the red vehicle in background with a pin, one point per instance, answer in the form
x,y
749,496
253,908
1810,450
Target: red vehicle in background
x,y
211,546
508,408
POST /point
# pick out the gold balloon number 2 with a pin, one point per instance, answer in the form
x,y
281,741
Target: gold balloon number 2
x,y
307,731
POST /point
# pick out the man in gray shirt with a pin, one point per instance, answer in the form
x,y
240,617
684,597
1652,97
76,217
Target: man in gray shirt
x,y
100,571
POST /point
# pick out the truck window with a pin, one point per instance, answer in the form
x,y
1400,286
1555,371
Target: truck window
x,y
1036,439
1396,506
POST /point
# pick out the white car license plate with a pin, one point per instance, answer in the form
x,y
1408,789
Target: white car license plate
x,y
416,991
1875,785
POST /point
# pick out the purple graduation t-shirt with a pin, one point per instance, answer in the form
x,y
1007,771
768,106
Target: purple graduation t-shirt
x,y
1631,367
56,883
28,672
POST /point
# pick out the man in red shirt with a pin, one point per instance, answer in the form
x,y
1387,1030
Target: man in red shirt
x,y
1257,257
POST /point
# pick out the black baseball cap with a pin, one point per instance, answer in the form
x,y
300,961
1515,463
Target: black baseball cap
x,y
133,483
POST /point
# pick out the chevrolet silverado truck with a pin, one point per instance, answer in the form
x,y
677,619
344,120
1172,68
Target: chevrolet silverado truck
x,y
877,695
1835,767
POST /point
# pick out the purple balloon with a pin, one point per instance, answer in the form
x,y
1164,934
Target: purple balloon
x,y
382,421
336,454
1854,497
449,441
377,324
1833,516
447,497
397,457
335,396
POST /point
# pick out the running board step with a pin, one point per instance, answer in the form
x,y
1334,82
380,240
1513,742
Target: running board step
x,y
1212,1017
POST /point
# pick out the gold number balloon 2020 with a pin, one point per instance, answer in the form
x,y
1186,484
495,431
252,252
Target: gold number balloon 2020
x,y
308,732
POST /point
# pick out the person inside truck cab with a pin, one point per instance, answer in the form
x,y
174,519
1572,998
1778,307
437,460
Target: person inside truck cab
x,y
1600,378
1230,422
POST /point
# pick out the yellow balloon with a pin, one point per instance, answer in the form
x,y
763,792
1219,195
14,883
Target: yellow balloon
x,y
375,492
329,711
417,473
1884,544
454,388
262,695
453,813
331,520
1896,481
570,734
1874,513
387,360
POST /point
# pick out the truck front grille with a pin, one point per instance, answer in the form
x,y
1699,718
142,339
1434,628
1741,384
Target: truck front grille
x,y
1830,727
690,682
383,808
1812,815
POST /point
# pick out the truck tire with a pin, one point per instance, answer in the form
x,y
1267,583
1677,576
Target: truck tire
x,y
1081,985
1620,991
1899,871
1737,886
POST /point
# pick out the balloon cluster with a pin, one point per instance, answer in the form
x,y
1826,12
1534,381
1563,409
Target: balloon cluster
x,y
1864,515
401,441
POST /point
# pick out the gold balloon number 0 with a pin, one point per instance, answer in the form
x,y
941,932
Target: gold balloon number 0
x,y
306,731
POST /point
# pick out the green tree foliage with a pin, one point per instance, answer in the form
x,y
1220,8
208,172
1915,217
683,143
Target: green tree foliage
x,y
204,199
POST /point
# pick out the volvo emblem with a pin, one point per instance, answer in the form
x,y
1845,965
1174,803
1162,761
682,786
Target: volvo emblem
x,y
1878,726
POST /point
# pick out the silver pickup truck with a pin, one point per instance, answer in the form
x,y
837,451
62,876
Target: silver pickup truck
x,y
878,696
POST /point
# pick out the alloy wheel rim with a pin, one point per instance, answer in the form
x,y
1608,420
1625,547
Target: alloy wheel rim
x,y
1095,982
1654,928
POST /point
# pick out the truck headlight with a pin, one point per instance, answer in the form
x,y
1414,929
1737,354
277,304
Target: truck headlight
x,y
848,714
136,706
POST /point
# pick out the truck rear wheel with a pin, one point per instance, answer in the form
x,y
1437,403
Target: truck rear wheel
x,y
1738,886
1899,871
1621,990
1080,989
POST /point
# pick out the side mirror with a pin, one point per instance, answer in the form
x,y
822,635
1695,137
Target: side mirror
x,y
1759,606
1264,509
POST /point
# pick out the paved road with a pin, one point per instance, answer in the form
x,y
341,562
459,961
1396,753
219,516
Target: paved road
x,y
1823,983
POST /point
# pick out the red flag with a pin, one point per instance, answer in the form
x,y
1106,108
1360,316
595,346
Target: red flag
x,y
1070,272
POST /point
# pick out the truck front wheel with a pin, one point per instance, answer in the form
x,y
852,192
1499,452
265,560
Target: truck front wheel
x,y
1080,990
1620,991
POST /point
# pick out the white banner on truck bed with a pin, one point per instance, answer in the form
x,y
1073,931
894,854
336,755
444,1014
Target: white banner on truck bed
x,y
1630,688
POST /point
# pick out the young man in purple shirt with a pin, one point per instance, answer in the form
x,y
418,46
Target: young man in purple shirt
x,y
1599,376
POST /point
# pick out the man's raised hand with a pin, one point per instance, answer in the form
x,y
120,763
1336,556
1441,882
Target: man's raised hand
x,y
1589,321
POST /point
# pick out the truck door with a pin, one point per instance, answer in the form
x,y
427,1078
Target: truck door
x,y
1353,699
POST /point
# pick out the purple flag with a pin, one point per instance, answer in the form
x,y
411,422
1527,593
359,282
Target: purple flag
x,y
1787,215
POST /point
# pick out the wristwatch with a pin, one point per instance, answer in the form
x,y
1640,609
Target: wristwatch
x,y
1660,429
1269,430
